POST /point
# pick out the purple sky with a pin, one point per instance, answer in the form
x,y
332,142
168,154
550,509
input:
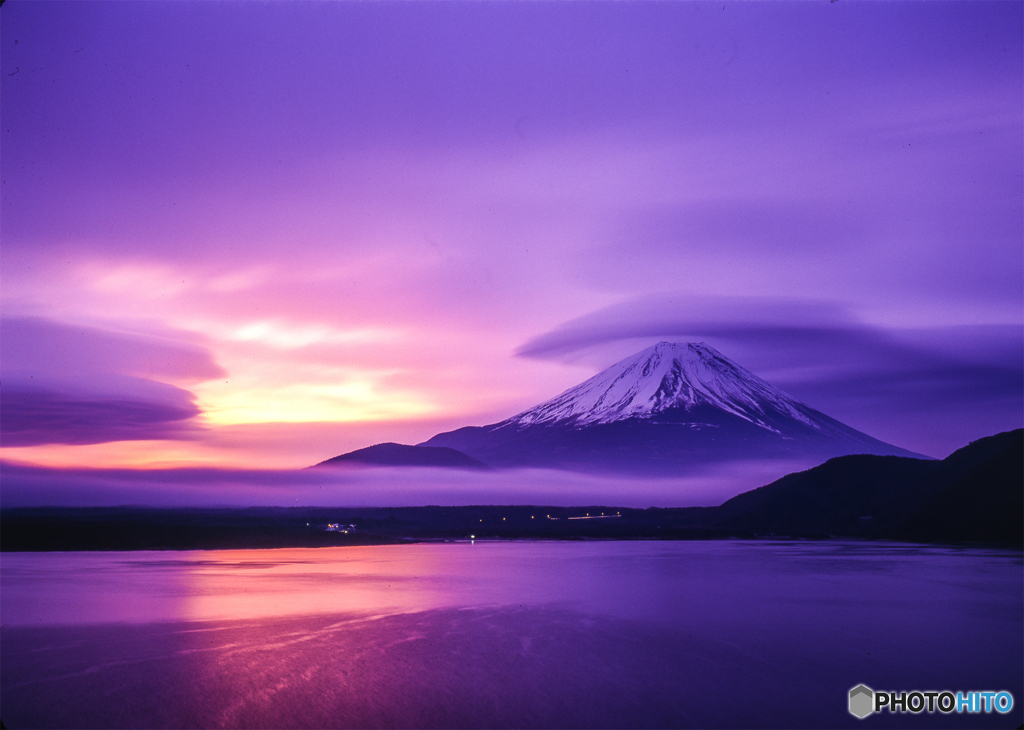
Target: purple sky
x,y
257,235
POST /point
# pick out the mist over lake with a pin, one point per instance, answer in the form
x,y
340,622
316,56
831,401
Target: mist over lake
x,y
492,634
387,486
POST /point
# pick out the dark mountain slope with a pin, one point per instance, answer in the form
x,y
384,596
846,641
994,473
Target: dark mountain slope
x,y
849,495
975,494
986,502
391,454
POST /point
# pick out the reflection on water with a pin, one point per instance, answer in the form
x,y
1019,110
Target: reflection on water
x,y
656,580
62,588
503,634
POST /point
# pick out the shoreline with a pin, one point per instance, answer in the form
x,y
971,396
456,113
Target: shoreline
x,y
93,529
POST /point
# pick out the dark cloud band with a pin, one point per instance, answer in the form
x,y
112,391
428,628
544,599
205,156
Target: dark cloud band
x,y
36,417
79,384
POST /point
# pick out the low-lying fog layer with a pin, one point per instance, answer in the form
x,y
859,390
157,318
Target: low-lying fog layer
x,y
25,486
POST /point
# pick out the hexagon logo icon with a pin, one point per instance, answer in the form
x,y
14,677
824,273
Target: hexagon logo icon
x,y
862,701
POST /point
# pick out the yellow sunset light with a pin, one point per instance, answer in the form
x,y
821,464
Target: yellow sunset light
x,y
355,400
287,336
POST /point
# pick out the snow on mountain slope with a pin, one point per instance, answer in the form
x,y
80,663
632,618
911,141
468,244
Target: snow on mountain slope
x,y
668,375
668,408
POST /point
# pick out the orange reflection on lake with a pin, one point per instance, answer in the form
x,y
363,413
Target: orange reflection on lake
x,y
246,584
200,585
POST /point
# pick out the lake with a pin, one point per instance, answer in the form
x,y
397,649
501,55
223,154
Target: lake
x,y
507,634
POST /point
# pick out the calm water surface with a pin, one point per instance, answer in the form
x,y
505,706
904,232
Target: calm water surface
x,y
505,634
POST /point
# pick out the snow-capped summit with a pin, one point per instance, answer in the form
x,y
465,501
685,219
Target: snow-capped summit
x,y
670,407
667,375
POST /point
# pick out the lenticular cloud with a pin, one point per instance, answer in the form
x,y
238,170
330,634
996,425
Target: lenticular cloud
x,y
65,384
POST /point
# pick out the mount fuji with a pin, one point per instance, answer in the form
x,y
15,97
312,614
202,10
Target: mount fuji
x,y
664,409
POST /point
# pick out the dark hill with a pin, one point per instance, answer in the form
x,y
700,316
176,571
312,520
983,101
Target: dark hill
x,y
974,495
391,454
977,499
848,495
